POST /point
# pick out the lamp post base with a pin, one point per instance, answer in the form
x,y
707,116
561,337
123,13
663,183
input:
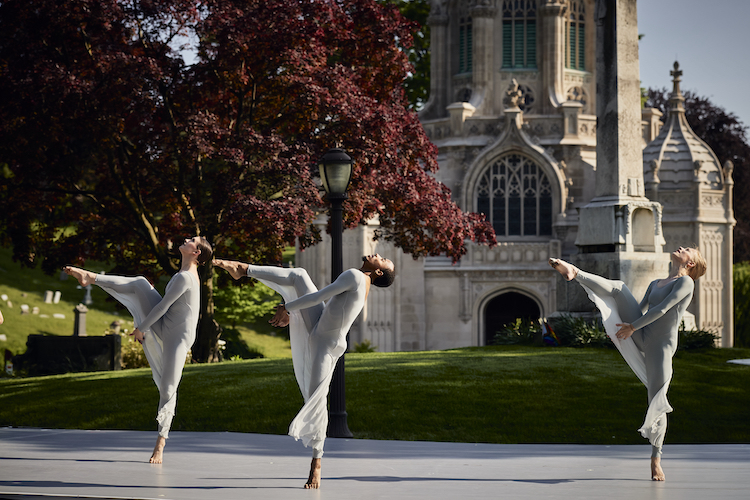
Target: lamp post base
x,y
337,425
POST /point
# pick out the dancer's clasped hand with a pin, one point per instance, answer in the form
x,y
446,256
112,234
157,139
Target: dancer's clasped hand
x,y
138,335
281,318
625,331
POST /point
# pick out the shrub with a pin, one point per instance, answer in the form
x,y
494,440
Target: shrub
x,y
365,346
522,331
577,331
695,339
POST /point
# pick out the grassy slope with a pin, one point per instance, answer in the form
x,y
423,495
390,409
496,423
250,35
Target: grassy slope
x,y
503,394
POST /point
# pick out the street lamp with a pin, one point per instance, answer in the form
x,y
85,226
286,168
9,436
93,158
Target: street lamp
x,y
335,172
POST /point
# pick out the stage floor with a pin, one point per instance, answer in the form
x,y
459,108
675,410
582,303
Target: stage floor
x,y
63,464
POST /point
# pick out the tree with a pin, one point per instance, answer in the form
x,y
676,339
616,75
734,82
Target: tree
x,y
113,147
727,136
417,83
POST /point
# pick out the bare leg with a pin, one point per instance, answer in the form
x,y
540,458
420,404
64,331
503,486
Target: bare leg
x,y
236,269
156,457
313,482
83,276
568,271
657,474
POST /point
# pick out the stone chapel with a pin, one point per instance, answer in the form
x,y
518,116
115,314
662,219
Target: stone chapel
x,y
512,110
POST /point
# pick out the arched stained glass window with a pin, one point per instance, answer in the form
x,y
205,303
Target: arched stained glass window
x,y
519,34
575,36
516,196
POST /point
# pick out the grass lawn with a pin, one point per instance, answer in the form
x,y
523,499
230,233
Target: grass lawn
x,y
503,394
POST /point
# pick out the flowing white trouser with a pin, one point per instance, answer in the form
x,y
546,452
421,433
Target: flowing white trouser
x,y
653,367
165,351
312,355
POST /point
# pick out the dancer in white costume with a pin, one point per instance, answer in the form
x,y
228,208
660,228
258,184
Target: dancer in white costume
x,y
318,323
165,326
646,333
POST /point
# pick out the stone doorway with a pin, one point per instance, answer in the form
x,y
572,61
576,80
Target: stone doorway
x,y
506,308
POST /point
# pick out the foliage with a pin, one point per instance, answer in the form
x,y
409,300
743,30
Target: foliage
x,y
490,394
696,339
727,136
577,331
520,331
238,302
417,83
132,352
114,147
742,304
364,347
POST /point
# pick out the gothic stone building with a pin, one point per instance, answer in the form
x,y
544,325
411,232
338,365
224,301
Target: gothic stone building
x,y
512,111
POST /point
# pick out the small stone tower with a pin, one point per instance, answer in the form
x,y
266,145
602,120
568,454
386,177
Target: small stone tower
x,y
683,174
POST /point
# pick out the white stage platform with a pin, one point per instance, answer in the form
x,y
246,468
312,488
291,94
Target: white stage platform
x,y
46,463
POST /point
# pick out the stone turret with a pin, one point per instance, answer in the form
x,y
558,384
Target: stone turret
x,y
683,174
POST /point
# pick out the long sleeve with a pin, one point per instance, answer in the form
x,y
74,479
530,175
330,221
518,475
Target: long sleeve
x,y
682,288
644,301
177,286
344,283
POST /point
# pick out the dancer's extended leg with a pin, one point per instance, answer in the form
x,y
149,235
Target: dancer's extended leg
x,y
627,306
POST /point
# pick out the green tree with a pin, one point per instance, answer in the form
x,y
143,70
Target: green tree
x,y
243,302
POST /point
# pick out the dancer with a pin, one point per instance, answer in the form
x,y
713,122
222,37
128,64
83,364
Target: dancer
x,y
317,330
165,327
646,333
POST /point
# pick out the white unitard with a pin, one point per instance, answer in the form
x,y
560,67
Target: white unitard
x,y
317,330
650,349
169,326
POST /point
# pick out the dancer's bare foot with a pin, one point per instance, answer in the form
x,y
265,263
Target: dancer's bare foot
x,y
236,269
156,457
83,276
568,271
313,482
656,473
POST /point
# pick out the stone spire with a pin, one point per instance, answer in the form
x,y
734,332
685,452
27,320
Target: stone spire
x,y
678,158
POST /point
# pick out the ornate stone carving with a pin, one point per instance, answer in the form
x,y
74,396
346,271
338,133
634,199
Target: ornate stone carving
x,y
513,95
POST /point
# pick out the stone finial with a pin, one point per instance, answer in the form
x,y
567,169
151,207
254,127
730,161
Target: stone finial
x,y
676,74
513,95
728,170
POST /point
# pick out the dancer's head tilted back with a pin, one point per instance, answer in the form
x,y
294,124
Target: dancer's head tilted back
x,y
207,251
692,259
382,271
198,248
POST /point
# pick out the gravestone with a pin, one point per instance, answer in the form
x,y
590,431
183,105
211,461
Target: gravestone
x,y
79,328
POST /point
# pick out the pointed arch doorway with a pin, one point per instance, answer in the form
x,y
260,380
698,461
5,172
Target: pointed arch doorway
x,y
506,308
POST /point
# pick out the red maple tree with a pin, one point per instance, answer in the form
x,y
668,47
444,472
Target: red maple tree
x,y
113,145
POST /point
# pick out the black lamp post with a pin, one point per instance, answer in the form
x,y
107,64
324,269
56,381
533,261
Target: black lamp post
x,y
336,172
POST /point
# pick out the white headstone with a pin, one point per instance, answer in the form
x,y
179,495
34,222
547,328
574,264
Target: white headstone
x,y
48,297
4,297
57,297
24,309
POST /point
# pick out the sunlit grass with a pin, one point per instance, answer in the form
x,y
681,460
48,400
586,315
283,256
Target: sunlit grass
x,y
507,394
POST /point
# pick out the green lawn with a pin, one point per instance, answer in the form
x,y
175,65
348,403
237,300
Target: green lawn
x,y
506,394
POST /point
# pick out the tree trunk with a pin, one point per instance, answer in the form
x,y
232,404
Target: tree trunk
x,y
206,347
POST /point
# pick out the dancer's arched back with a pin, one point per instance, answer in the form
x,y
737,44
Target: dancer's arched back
x,y
646,333
166,326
